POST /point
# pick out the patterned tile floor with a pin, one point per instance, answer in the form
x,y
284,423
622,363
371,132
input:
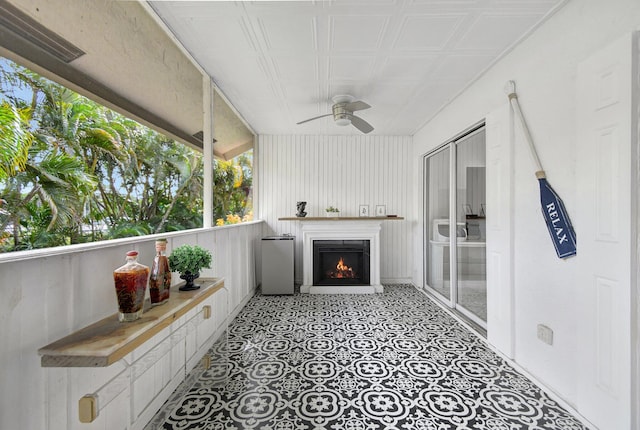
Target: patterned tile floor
x,y
356,362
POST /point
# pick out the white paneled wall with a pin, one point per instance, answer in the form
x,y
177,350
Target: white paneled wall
x,y
55,292
558,85
344,172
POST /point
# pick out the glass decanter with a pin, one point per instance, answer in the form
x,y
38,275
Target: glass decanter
x,y
131,284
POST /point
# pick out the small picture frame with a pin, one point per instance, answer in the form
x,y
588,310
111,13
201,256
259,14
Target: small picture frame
x,y
467,209
381,210
364,210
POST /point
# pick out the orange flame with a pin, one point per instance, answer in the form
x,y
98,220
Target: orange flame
x,y
341,266
342,271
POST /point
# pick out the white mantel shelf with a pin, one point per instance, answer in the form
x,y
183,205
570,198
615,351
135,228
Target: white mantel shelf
x,y
341,218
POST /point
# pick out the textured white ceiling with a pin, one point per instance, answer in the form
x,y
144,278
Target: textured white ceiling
x,y
281,62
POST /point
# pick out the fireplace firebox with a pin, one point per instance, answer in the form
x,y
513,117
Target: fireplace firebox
x,y
341,262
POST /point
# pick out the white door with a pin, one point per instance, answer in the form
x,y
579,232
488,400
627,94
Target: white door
x,y
606,158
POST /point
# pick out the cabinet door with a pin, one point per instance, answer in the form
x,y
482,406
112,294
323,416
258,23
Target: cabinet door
x,y
206,328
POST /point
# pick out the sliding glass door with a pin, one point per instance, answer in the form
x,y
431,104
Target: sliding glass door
x,y
456,257
438,178
471,293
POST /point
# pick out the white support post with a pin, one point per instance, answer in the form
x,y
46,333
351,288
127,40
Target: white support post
x,y
207,150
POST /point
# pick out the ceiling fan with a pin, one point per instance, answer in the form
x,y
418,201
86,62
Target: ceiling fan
x,y
342,111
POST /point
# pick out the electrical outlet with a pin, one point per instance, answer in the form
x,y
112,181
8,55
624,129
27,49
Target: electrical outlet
x,y
545,334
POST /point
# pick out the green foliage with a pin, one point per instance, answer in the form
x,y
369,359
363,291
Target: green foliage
x,y
15,139
129,229
73,171
189,259
232,191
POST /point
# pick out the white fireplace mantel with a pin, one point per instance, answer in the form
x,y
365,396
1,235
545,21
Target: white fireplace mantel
x,y
356,229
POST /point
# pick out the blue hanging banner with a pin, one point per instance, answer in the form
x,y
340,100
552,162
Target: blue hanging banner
x,y
558,222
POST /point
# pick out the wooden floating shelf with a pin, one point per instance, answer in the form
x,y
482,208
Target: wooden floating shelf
x,y
108,340
340,218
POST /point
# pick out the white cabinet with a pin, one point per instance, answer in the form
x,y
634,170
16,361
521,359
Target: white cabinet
x,y
140,370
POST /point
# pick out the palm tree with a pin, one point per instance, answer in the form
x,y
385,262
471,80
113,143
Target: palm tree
x,y
191,169
36,168
54,179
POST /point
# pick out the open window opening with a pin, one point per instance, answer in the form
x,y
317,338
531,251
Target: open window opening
x,y
74,171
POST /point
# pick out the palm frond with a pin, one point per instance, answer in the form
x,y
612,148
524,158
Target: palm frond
x,y
15,140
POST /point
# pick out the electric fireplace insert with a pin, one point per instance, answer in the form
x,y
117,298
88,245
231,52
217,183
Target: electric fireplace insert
x,y
341,262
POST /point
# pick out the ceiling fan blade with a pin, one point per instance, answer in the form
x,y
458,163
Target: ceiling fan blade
x,y
361,124
315,117
357,105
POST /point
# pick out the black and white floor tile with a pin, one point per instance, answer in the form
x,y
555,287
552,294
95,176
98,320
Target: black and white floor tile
x,y
357,362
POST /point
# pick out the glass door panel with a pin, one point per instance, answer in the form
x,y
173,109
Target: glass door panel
x,y
437,178
471,270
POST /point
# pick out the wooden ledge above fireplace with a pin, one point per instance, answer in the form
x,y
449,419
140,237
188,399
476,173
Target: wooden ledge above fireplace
x,y
340,218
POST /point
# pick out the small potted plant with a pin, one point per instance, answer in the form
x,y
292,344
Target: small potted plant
x,y
332,212
188,260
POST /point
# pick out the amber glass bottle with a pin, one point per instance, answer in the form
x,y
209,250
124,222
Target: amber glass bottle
x,y
160,281
131,284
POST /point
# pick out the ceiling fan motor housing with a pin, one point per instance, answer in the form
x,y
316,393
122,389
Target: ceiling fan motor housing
x,y
341,115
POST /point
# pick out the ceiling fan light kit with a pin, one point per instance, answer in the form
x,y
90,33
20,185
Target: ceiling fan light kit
x,y
342,112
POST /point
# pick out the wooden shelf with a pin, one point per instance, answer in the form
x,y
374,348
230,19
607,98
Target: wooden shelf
x,y
107,341
341,218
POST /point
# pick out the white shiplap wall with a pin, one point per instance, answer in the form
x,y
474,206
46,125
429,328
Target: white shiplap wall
x,y
344,172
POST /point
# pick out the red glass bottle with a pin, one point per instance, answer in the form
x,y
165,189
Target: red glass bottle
x,y
160,280
131,284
